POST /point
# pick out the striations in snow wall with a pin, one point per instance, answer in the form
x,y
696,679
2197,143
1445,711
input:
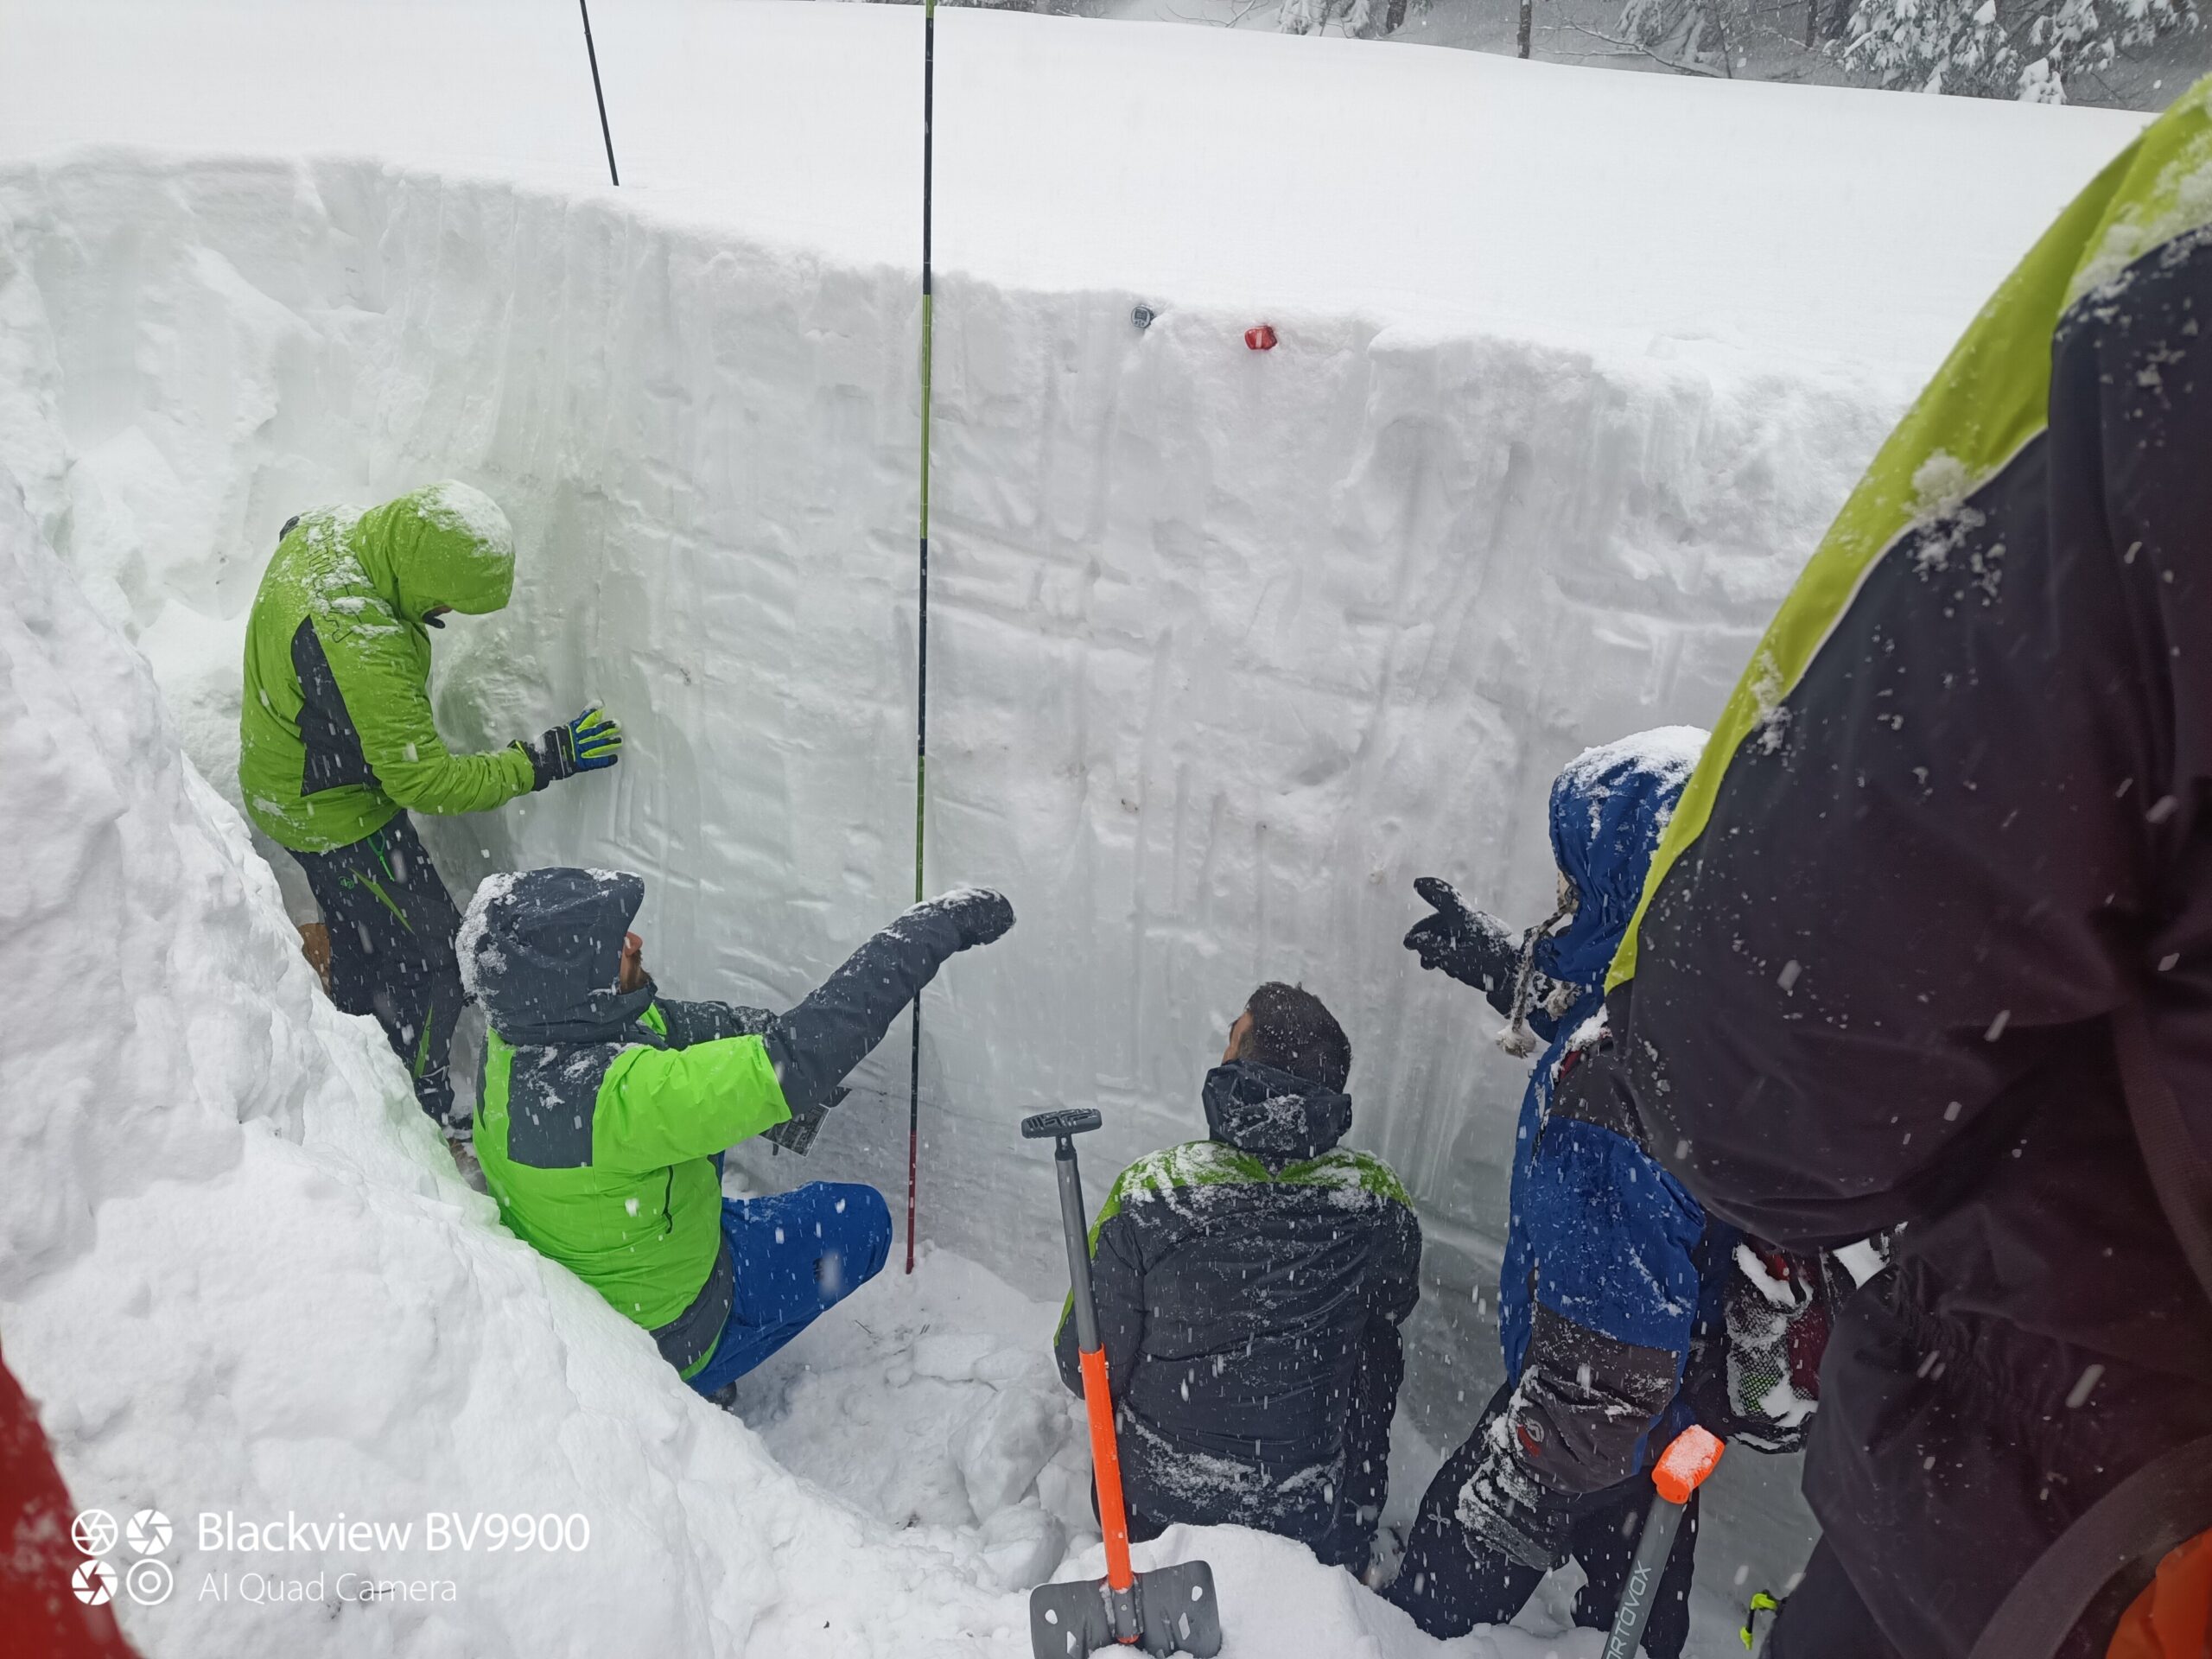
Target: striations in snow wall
x,y
1227,646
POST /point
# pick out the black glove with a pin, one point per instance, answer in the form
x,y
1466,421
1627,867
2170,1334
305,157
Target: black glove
x,y
589,742
1509,1512
977,914
829,1032
795,1133
1471,945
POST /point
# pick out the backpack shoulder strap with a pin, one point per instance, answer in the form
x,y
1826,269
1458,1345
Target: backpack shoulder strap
x,y
2169,1499
2176,1164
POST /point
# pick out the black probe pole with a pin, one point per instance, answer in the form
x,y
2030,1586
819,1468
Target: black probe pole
x,y
592,52
922,651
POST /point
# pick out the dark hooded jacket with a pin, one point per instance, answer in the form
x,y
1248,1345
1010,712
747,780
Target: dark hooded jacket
x,y
602,1114
1953,817
1249,1288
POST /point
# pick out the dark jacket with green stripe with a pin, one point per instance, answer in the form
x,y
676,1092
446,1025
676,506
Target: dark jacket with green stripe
x,y
1959,808
1245,1285
602,1114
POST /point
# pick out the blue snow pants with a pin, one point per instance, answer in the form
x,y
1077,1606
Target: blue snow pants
x,y
797,1253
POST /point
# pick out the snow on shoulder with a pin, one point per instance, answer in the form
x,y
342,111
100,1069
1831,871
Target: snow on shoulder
x,y
473,942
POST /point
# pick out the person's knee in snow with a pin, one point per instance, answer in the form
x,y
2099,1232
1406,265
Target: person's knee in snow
x,y
1249,1289
604,1106
860,1253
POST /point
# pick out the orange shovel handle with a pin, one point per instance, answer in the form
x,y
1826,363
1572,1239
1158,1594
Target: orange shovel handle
x,y
1106,1469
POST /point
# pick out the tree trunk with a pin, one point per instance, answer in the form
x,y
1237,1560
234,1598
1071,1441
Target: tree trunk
x,y
1528,15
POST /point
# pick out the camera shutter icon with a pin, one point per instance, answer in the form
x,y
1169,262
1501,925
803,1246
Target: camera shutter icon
x,y
93,1583
148,1532
94,1532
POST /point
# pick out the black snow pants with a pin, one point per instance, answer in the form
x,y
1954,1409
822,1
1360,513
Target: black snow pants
x,y
391,925
1450,1582
1948,1454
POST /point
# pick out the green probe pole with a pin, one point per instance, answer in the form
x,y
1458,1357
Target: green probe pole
x,y
922,632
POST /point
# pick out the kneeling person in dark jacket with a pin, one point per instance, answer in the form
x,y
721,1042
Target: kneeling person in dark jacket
x,y
1250,1287
603,1110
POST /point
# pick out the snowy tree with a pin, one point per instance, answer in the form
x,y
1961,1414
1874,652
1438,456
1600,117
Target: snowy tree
x,y
1365,20
1693,34
2023,49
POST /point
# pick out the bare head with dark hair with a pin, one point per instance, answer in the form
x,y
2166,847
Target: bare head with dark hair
x,y
1288,1028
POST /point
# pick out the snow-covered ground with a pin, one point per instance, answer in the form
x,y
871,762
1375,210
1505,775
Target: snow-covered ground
x,y
1226,648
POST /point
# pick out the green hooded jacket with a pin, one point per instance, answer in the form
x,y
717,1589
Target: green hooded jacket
x,y
336,732
601,1113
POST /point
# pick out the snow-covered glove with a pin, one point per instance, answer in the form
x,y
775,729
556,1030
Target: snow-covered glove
x,y
1509,1512
978,915
1471,945
1776,1313
815,1044
589,742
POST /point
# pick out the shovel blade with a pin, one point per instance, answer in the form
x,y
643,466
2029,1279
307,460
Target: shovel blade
x,y
1176,1613
1179,1611
1070,1620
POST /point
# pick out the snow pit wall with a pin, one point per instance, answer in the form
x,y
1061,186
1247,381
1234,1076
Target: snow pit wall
x,y
1226,646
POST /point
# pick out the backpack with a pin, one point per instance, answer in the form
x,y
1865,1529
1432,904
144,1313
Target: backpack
x,y
2163,1512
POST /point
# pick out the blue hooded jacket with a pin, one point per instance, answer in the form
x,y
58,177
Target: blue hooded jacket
x,y
1608,1259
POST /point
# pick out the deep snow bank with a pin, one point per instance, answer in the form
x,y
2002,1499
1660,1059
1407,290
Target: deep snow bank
x,y
1227,646
244,1281
1256,172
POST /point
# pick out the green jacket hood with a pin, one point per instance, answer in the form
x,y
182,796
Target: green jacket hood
x,y
447,543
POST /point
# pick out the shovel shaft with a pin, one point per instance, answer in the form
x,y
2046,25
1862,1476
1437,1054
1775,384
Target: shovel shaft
x,y
1643,1575
1077,1231
1097,1398
1170,1610
1689,1459
1106,1470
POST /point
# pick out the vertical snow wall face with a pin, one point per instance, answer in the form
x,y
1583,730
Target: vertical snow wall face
x,y
1226,646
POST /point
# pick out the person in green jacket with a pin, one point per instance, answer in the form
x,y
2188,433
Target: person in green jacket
x,y
337,744
603,1110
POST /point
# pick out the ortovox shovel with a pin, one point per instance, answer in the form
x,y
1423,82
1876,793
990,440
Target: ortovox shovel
x,y
1681,1470
1171,1609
